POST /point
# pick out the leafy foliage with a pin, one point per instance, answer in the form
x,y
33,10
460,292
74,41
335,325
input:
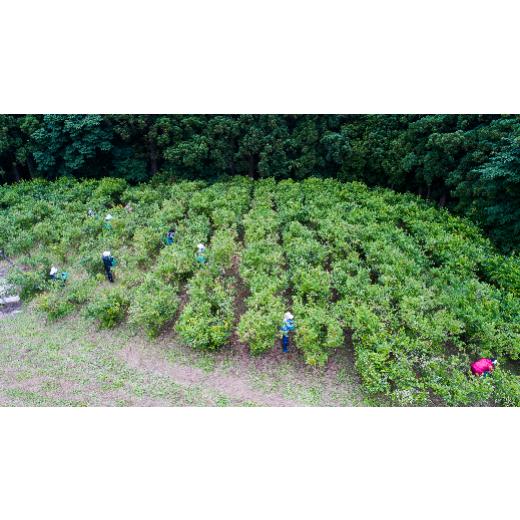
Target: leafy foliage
x,y
109,308
154,304
467,162
206,321
262,269
415,292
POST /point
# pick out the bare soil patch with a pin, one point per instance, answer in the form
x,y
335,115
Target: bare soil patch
x,y
151,358
240,307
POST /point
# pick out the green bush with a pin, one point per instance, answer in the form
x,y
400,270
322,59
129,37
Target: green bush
x,y
55,305
311,283
154,304
92,262
109,308
62,299
318,332
32,277
224,245
110,190
506,387
259,325
175,264
206,320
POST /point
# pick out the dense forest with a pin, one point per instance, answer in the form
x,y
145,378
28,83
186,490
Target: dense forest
x,y
468,163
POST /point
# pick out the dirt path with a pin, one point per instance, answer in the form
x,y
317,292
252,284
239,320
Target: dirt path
x,y
152,359
72,363
240,307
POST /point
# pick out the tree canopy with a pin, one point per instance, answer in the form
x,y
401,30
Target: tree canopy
x,y
468,163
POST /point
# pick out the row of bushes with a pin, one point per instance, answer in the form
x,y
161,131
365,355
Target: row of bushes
x,y
419,312
157,300
135,237
206,322
302,208
262,270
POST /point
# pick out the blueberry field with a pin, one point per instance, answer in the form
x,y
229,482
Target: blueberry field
x,y
412,292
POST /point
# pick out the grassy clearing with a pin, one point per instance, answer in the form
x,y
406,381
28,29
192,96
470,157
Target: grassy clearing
x,y
71,363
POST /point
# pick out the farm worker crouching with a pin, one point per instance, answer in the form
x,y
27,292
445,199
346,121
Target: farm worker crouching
x,y
91,213
107,224
201,254
108,262
287,326
483,367
170,237
53,274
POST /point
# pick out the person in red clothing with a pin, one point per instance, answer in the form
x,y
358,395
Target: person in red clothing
x,y
483,367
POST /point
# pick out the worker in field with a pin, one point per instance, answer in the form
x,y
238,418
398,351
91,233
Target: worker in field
x,y
483,367
107,224
91,213
201,254
53,274
108,262
170,237
287,327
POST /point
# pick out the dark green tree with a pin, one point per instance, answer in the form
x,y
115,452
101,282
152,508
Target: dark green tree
x,y
72,145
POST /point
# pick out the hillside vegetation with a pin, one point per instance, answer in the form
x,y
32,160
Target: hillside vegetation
x,y
417,293
469,163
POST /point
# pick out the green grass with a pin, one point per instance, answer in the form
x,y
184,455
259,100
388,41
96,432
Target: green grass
x,y
206,363
71,363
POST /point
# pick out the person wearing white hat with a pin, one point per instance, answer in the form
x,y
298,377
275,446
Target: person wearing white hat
x,y
287,326
201,254
108,263
53,274
107,225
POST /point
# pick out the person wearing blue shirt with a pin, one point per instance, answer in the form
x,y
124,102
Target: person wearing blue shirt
x,y
201,254
170,236
54,276
107,225
287,326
